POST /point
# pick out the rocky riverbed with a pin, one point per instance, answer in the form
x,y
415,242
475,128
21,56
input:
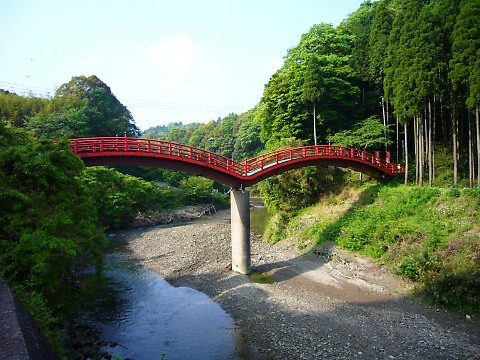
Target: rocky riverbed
x,y
326,304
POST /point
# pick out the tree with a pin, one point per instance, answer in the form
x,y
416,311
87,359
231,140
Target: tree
x,y
247,143
117,197
378,43
359,24
281,113
178,135
369,133
196,189
401,87
473,103
221,138
72,122
465,47
15,108
106,115
325,52
313,89
49,230
293,189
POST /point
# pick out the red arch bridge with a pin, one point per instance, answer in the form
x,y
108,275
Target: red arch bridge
x,y
238,175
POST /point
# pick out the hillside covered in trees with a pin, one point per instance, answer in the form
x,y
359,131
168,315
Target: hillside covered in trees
x,y
401,76
411,65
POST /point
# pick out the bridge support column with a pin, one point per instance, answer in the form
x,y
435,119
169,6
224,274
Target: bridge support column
x,y
240,227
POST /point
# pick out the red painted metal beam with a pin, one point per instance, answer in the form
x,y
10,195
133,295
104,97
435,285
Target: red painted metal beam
x,y
171,155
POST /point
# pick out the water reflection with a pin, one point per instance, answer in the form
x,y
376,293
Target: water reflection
x,y
258,216
147,317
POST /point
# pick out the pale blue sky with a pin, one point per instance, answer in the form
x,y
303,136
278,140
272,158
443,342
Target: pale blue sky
x,y
178,60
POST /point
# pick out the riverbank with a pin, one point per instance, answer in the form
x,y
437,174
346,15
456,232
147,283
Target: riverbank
x,y
323,305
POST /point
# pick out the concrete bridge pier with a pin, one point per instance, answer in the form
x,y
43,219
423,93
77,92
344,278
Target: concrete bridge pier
x,y
240,227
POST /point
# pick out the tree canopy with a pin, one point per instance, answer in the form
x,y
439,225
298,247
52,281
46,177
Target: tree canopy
x,y
83,107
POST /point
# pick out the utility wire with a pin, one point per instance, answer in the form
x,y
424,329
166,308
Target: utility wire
x,y
42,92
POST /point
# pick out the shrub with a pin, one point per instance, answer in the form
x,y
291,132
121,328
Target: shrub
x,y
428,235
49,230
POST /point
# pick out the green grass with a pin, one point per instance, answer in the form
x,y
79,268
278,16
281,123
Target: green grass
x,y
428,235
261,278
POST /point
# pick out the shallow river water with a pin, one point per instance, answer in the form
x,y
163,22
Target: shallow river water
x,y
143,317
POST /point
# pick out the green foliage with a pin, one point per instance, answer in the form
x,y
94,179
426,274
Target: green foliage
x,y
119,197
248,143
292,190
235,136
261,278
466,53
14,108
296,189
48,225
286,194
162,131
82,107
369,133
378,43
275,230
359,25
456,282
429,235
316,71
105,115
72,122
199,190
196,189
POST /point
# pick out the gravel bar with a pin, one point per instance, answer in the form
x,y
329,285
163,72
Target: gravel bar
x,y
327,304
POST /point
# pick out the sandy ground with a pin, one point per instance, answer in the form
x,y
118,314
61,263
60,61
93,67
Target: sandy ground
x,y
323,305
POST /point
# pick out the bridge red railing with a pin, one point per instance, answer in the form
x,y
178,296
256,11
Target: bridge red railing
x,y
264,161
248,168
138,145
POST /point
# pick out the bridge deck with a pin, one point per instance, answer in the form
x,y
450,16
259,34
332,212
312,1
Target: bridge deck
x,y
161,153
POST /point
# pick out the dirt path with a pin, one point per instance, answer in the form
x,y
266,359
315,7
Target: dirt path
x,y
328,305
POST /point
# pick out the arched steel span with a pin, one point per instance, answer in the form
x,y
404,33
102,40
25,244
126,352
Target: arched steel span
x,y
175,156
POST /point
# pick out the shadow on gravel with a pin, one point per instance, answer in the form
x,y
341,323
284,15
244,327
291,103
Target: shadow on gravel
x,y
307,314
284,321
322,252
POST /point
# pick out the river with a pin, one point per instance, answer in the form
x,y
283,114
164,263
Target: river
x,y
141,316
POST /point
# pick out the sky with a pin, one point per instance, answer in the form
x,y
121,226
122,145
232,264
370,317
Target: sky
x,y
167,61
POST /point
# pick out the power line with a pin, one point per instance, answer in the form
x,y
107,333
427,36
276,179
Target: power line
x,y
148,104
28,89
181,106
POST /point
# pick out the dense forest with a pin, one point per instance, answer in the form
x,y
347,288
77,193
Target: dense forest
x,y
401,76
411,65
